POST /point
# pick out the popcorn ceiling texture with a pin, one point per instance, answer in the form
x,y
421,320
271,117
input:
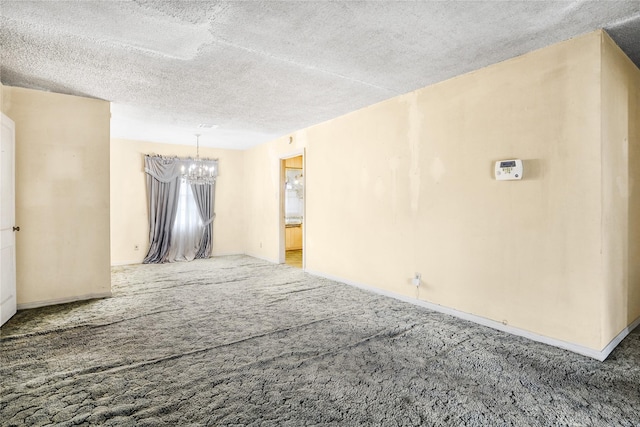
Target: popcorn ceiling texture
x,y
239,341
261,69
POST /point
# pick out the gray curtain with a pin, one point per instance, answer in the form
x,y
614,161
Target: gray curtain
x,y
163,186
205,196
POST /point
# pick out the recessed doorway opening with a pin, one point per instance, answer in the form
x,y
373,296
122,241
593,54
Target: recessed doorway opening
x,y
292,207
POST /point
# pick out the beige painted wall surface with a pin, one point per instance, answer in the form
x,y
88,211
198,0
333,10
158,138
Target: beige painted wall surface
x,y
129,213
621,194
62,195
407,186
263,230
633,302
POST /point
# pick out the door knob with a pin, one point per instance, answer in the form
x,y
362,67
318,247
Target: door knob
x,y
16,228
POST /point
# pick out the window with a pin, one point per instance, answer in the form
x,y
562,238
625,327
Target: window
x,y
187,229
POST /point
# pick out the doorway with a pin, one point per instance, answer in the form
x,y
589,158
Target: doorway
x,y
292,210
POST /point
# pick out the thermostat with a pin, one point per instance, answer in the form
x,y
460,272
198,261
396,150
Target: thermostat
x,y
508,170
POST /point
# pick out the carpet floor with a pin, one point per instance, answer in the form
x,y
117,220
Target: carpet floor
x,y
237,341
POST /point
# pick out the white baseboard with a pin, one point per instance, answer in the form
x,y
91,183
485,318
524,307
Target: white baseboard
x,y
600,355
271,260
227,254
56,301
120,264
614,342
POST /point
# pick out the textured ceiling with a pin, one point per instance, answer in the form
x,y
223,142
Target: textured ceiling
x,y
262,69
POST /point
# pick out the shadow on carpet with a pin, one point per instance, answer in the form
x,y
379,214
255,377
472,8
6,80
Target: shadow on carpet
x,y
239,341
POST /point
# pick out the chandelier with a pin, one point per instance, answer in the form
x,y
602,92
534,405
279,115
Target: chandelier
x,y
199,171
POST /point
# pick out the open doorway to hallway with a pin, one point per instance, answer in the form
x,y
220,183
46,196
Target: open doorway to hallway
x,y
293,210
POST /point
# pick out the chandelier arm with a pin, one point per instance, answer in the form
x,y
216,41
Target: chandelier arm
x,y
199,171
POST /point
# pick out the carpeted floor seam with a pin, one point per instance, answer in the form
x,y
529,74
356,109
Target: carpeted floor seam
x,y
333,352
72,327
109,369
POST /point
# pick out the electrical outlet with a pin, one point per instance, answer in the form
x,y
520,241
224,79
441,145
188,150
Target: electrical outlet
x,y
416,279
260,244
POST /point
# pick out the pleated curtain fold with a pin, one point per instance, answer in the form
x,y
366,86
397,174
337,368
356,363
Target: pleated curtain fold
x,y
204,195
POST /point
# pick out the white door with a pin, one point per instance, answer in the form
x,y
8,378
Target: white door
x,y
7,221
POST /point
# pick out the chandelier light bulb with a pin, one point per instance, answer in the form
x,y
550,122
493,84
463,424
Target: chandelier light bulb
x,y
199,171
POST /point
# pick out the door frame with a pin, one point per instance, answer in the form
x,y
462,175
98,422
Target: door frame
x,y
281,194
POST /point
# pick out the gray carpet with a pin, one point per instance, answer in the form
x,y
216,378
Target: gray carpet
x,y
239,341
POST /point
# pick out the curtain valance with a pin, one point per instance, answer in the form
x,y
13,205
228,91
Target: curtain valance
x,y
166,169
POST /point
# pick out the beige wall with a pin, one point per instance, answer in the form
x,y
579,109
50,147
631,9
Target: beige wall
x,y
62,196
621,193
264,231
129,213
407,186
633,236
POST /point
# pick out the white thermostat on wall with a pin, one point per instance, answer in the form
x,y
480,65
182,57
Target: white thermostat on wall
x,y
508,170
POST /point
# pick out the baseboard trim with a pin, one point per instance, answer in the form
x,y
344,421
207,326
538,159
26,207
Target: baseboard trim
x,y
575,348
618,339
56,301
227,254
120,264
271,260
